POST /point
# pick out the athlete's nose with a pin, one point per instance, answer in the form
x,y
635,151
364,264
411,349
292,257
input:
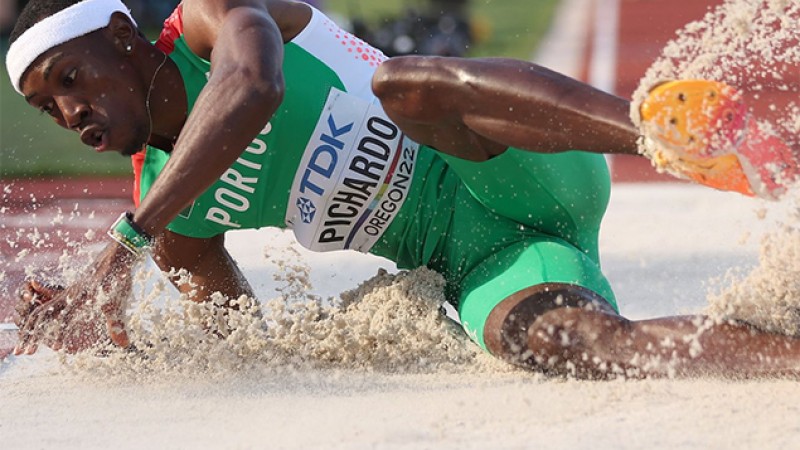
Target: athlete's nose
x,y
75,112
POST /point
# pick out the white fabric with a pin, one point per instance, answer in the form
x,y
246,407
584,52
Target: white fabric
x,y
75,21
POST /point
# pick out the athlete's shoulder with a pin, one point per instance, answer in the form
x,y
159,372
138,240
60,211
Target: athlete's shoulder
x,y
172,30
203,20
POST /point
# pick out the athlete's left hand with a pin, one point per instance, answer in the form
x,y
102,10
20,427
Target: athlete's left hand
x,y
77,317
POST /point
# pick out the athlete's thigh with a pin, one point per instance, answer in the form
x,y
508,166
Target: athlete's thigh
x,y
563,195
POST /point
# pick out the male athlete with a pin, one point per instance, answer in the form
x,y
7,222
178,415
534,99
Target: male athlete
x,y
260,113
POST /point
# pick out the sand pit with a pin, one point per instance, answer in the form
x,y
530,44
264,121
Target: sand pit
x,y
459,404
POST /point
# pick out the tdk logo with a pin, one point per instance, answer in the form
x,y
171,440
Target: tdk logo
x,y
307,209
324,158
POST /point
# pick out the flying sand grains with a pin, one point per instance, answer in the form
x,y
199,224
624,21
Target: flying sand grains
x,y
769,295
753,45
389,324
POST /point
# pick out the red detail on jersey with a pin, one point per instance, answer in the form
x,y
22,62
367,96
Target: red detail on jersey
x,y
360,50
173,29
137,161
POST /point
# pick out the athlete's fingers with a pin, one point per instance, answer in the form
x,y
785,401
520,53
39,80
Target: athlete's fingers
x,y
27,350
26,292
72,335
33,328
27,337
28,301
113,311
24,334
45,290
114,324
57,344
25,342
24,307
34,293
58,322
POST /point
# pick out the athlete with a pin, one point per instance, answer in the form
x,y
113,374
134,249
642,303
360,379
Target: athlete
x,y
258,113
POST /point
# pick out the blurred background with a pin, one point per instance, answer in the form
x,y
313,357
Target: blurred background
x,y
31,146
607,43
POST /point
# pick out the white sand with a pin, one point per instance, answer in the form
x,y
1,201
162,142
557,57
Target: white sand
x,y
661,244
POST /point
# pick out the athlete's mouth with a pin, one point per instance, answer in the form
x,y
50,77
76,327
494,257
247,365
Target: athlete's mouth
x,y
96,137
103,139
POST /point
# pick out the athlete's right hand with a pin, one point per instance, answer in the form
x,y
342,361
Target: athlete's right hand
x,y
77,317
37,300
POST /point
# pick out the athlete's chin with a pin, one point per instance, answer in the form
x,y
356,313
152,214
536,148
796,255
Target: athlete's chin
x,y
124,150
128,146
132,150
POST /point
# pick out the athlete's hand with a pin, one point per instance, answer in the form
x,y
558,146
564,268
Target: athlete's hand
x,y
32,294
77,317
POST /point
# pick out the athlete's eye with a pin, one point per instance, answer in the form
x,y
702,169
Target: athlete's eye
x,y
69,78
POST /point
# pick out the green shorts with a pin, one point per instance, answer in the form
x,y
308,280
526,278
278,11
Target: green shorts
x,y
497,227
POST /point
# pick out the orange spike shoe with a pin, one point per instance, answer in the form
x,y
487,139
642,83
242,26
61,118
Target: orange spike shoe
x,y
701,130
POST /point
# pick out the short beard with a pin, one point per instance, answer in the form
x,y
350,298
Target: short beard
x,y
130,151
137,144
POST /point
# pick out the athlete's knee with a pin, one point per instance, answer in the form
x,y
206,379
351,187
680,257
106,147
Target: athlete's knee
x,y
557,327
579,341
401,70
410,85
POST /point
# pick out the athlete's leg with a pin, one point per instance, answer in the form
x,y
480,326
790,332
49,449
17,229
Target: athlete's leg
x,y
540,298
534,328
476,108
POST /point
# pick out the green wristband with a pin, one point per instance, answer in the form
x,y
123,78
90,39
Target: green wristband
x,y
130,235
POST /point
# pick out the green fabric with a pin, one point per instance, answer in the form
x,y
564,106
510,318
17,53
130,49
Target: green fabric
x,y
500,226
269,164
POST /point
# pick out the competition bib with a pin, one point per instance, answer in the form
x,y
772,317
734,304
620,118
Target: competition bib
x,y
355,175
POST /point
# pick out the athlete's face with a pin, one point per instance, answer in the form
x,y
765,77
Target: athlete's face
x,y
90,86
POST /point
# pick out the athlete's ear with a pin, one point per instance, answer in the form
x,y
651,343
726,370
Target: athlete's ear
x,y
122,32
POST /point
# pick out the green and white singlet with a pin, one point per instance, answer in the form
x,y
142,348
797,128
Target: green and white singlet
x,y
329,163
333,168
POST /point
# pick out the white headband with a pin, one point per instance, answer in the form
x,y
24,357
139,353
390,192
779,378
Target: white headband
x,y
69,23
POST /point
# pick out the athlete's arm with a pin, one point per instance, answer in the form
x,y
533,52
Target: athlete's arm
x,y
211,268
245,87
245,46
